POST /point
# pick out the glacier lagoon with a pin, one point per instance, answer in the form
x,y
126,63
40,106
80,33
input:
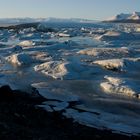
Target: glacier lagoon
x,y
95,66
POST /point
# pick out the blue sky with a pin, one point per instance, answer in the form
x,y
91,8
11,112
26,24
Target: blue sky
x,y
89,9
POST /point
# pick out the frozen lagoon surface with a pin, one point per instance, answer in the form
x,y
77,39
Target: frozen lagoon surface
x,y
90,72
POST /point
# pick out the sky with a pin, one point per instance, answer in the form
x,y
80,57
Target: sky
x,y
88,9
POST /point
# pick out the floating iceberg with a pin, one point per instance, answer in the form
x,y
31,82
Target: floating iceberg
x,y
54,69
20,59
119,86
125,64
63,69
26,43
107,52
115,35
64,35
112,64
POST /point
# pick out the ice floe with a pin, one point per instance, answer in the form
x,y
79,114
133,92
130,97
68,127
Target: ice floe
x,y
43,27
41,56
115,35
125,64
113,122
107,52
64,35
112,64
60,97
54,69
20,59
63,69
69,33
56,106
57,94
119,86
26,43
29,36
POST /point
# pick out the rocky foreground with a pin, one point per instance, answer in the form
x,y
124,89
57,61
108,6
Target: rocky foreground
x,y
20,119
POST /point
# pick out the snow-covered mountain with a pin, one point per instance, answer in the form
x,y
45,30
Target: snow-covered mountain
x,y
76,20
134,17
50,20
19,20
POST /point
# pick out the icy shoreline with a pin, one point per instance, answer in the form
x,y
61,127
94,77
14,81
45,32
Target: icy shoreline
x,y
96,68
29,104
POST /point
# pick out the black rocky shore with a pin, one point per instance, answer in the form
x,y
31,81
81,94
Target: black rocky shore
x,y
20,119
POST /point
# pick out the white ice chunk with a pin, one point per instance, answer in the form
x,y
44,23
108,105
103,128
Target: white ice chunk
x,y
120,86
85,118
44,27
55,69
112,64
41,56
106,52
26,43
62,69
125,64
20,59
115,35
64,35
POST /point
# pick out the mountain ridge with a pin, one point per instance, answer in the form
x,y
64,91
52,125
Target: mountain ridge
x,y
130,18
50,19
